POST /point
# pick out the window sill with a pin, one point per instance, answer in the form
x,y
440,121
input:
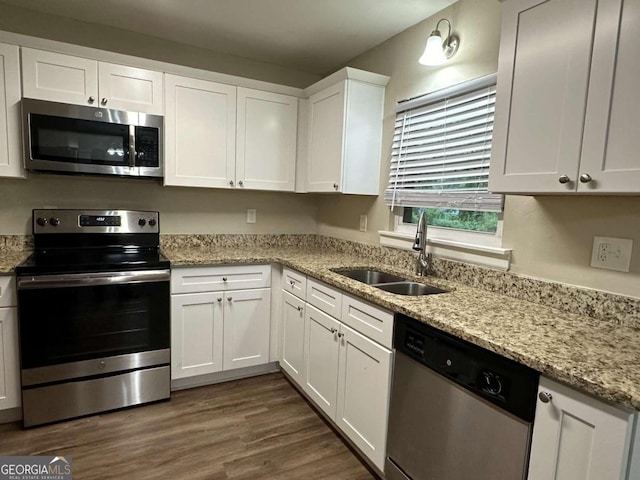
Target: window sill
x,y
487,256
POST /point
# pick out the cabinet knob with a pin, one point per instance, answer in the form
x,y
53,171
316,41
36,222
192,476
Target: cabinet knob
x,y
299,308
231,183
340,335
240,183
545,397
224,279
91,99
334,330
335,186
292,283
219,299
564,179
230,298
103,101
585,178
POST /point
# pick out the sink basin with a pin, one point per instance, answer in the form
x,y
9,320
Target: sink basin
x,y
410,288
370,277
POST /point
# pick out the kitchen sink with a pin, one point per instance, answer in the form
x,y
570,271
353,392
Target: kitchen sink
x,y
389,282
370,277
410,288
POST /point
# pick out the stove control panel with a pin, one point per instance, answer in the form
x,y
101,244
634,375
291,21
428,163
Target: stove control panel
x,y
95,221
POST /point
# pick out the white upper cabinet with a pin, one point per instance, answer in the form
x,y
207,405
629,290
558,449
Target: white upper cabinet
x,y
11,161
200,133
345,133
266,140
68,79
564,121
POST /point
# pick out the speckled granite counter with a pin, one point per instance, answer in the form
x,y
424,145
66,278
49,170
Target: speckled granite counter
x,y
602,358
14,249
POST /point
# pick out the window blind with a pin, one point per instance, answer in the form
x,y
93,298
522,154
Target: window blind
x,y
442,148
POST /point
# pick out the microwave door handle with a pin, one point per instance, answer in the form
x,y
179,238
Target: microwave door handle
x,y
132,146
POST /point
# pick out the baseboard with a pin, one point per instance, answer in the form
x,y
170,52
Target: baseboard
x,y
219,377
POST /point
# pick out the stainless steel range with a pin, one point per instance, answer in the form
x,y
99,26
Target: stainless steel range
x,y
94,318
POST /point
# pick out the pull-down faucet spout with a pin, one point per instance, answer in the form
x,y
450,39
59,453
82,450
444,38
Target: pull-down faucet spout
x,y
423,262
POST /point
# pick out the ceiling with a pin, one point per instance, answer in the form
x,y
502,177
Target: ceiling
x,y
317,36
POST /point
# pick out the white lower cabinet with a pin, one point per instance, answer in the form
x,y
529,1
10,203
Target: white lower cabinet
x,y
9,362
344,372
576,437
218,330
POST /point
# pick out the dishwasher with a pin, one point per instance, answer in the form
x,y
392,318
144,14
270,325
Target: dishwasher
x,y
458,411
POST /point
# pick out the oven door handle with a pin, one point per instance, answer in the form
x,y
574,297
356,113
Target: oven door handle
x,y
91,279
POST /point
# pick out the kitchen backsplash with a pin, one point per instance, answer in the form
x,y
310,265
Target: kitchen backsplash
x,y
592,303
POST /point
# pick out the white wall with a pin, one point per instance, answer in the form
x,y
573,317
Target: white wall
x,y
551,236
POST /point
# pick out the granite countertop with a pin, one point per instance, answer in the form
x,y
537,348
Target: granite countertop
x,y
596,356
10,257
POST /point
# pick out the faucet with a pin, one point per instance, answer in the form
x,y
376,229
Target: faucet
x,y
424,260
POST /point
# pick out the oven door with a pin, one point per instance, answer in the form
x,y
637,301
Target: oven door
x,y
72,318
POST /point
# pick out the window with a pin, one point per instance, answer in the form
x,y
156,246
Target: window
x,y
440,158
440,164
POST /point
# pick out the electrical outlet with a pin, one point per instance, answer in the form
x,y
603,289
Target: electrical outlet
x,y
363,223
251,215
611,253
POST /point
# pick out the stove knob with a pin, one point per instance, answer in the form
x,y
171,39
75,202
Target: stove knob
x,y
142,222
54,221
41,221
152,222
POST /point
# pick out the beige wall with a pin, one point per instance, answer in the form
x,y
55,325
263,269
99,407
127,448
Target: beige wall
x,y
37,24
552,236
182,210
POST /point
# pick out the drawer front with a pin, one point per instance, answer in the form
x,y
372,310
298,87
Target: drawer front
x,y
369,320
324,298
294,282
7,291
212,279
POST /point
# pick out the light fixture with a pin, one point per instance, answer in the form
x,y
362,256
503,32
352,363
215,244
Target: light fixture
x,y
437,50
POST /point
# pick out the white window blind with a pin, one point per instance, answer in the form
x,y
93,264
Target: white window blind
x,y
442,147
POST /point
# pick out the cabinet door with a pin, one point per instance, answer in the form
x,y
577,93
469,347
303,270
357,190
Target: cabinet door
x,y
576,437
364,380
611,140
292,360
200,133
542,94
247,321
59,78
266,140
326,139
196,334
130,89
9,362
11,162
321,359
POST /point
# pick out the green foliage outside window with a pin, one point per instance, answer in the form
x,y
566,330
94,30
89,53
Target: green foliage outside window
x,y
459,219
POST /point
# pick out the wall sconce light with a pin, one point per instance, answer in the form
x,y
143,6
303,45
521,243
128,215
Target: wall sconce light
x,y
437,50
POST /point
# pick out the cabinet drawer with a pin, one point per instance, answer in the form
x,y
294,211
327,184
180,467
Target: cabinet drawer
x,y
294,282
324,298
211,279
7,291
371,321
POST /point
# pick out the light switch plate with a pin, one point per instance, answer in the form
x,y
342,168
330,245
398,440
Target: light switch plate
x,y
611,253
251,215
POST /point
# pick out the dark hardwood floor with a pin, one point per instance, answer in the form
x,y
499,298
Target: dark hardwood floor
x,y
256,428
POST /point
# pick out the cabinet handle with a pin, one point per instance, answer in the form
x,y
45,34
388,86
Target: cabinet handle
x,y
334,330
230,298
564,179
292,283
219,299
103,101
340,335
231,183
92,99
545,397
224,279
299,308
240,183
585,178
335,186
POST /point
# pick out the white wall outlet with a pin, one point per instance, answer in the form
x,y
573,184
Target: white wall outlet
x,y
251,215
611,253
363,223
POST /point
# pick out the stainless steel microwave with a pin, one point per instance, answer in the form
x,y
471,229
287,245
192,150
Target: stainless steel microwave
x,y
67,138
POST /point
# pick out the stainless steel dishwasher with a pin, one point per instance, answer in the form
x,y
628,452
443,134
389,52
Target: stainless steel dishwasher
x,y
458,411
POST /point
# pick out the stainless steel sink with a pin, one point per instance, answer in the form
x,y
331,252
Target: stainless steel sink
x,y
389,282
370,277
410,288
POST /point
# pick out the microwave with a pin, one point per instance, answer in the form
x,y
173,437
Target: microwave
x,y
65,138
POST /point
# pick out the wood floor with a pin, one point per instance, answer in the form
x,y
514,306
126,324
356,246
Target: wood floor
x,y
256,428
